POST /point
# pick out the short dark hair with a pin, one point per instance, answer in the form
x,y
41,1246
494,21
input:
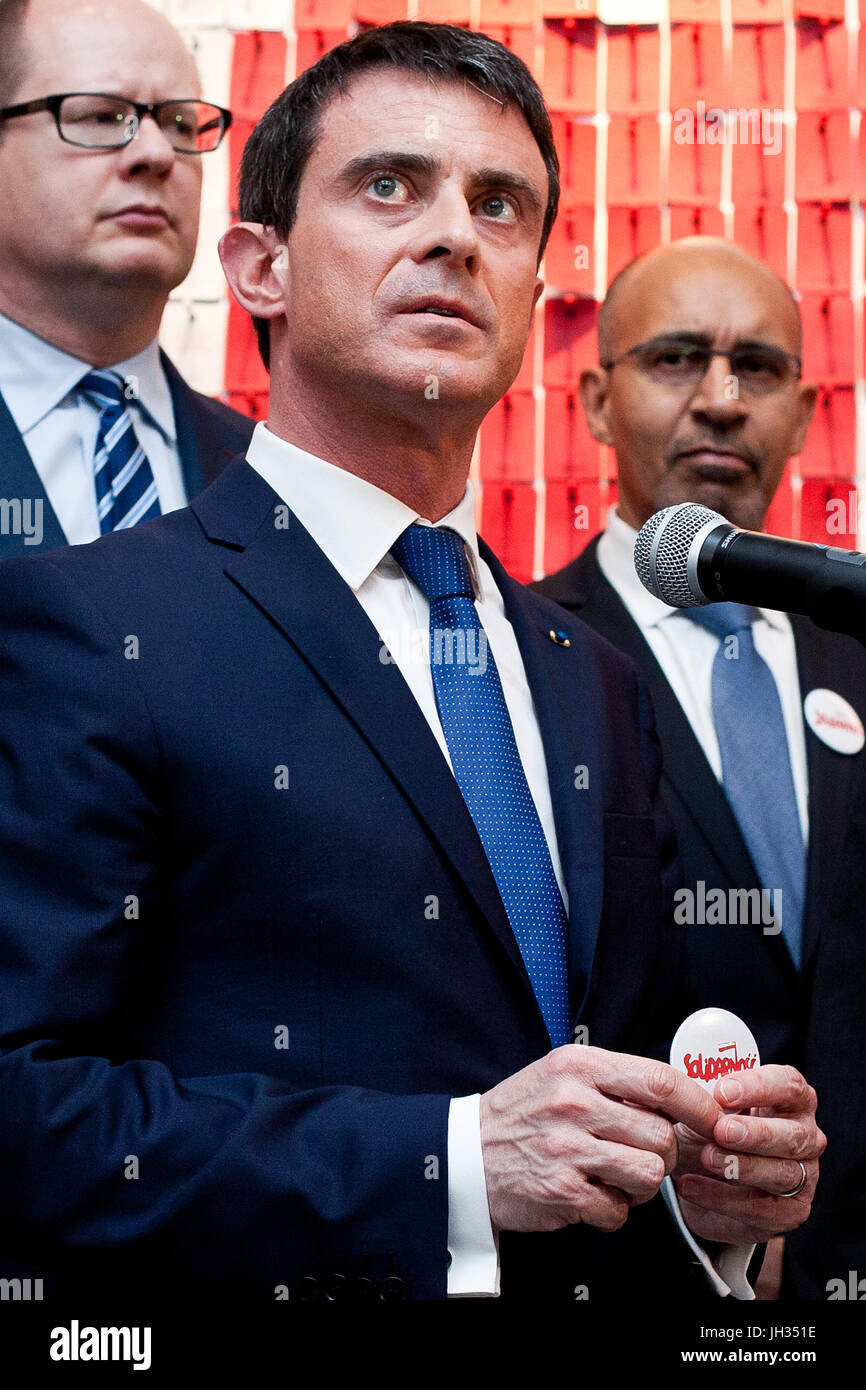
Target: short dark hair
x,y
283,140
13,59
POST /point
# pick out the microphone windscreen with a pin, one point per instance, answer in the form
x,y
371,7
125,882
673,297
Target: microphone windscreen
x,y
661,551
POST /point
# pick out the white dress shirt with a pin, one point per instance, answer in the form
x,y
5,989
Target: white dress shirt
x,y
59,426
686,652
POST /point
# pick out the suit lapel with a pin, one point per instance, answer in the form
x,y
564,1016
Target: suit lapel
x,y
685,765
573,736
286,575
831,774
201,441
19,479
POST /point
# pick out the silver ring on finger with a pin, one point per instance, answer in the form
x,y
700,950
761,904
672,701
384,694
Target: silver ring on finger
x,y
795,1192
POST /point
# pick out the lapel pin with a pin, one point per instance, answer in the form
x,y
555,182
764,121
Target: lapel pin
x,y
559,638
834,721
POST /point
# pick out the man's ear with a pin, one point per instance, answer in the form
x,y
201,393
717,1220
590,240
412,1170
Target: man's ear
x,y
594,389
538,290
252,256
807,396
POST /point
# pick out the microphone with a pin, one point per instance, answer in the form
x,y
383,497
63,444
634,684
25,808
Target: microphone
x,y
689,555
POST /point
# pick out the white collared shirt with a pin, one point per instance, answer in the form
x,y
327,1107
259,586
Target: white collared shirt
x,y
59,426
355,524
686,651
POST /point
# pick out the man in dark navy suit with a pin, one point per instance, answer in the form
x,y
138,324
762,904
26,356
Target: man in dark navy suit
x,y
320,838
688,425
98,223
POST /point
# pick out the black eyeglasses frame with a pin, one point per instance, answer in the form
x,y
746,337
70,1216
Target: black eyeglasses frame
x,y
141,109
673,341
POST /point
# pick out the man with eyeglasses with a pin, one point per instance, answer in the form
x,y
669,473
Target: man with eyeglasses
x,y
699,394
102,134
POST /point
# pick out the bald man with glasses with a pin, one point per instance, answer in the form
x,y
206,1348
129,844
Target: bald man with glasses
x,y
699,392
102,135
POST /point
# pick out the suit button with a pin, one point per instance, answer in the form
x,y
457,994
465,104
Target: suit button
x,y
363,1290
309,1289
337,1287
393,1289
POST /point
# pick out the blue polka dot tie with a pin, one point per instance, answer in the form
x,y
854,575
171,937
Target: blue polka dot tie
x,y
125,487
756,762
487,764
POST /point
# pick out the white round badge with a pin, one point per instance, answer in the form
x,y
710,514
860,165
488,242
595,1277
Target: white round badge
x,y
712,1044
834,721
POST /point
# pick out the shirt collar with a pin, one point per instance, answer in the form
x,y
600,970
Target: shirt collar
x,y
36,377
616,557
354,522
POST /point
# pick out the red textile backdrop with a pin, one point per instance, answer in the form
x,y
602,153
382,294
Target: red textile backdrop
x,y
645,158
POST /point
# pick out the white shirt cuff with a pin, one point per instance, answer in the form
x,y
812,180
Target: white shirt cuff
x,y
726,1270
473,1254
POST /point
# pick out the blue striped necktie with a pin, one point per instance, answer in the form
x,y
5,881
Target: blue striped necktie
x,y
756,761
125,487
487,766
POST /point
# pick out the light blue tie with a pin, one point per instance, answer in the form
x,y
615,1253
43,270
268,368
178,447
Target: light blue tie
x,y
756,761
125,487
487,765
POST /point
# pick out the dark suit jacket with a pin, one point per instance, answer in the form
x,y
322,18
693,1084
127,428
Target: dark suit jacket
x,y
208,435
812,1019
222,824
